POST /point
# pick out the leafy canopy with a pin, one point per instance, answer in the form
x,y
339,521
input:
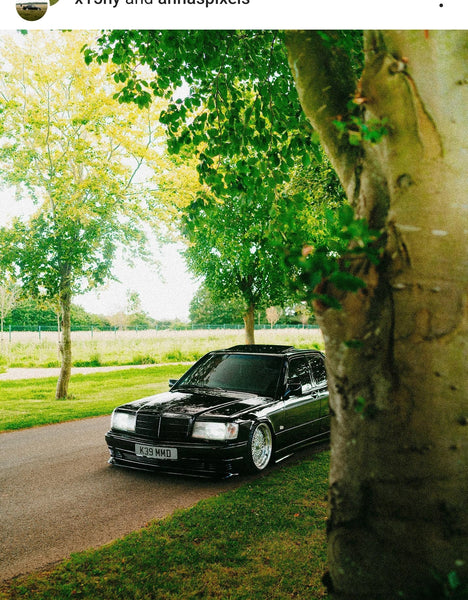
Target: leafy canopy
x,y
233,102
231,98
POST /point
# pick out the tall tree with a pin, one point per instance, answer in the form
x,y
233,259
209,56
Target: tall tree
x,y
233,245
79,155
237,243
9,295
398,523
390,298
232,227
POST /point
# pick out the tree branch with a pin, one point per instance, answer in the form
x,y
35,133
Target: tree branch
x,y
326,83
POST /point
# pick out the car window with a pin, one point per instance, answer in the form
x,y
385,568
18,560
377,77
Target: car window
x,y
257,374
317,365
299,370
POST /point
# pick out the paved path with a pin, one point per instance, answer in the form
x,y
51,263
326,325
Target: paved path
x,y
58,494
37,373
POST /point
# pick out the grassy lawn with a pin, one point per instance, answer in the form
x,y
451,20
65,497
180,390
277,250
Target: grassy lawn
x,y
30,402
263,540
105,348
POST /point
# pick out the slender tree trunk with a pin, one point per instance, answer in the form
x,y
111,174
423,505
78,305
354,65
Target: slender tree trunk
x,y
249,324
1,333
65,341
59,330
398,519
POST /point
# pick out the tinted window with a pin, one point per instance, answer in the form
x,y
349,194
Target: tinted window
x,y
238,372
318,369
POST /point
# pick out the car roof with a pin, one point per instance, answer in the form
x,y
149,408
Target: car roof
x,y
266,349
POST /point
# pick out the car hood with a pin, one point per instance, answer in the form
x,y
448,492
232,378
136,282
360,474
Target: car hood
x,y
208,403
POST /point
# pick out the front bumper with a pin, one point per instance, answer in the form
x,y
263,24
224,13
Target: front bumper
x,y
204,459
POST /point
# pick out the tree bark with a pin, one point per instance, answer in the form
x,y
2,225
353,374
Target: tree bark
x,y
398,524
249,324
65,341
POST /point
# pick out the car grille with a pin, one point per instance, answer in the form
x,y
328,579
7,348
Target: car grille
x,y
163,427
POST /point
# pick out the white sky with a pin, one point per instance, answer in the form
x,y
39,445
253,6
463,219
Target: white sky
x,y
164,295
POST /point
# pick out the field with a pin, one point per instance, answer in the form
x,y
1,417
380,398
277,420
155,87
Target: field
x,y
106,348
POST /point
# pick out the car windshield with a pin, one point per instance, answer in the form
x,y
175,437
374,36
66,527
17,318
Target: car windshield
x,y
257,374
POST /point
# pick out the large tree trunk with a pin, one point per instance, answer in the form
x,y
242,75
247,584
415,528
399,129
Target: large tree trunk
x,y
398,519
65,340
249,324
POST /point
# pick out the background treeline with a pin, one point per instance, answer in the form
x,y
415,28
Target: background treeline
x,y
205,309
30,315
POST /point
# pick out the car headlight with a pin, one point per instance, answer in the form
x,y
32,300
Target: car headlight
x,y
213,430
123,421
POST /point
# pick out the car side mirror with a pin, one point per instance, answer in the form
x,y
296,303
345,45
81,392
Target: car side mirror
x,y
172,382
294,387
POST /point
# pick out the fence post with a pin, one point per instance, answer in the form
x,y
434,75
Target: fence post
x,y
39,330
9,333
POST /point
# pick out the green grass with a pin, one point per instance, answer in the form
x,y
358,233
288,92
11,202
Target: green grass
x,y
264,540
30,402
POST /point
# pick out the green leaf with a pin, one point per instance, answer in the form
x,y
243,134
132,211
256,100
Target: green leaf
x,y
346,281
453,580
356,344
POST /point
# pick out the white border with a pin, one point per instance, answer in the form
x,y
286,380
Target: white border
x,y
258,14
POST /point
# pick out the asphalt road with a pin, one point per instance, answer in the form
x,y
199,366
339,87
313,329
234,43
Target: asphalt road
x,y
58,495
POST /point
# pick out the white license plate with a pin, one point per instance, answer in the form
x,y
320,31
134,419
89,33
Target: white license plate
x,y
156,452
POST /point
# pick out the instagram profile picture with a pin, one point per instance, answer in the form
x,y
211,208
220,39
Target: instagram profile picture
x,y
33,10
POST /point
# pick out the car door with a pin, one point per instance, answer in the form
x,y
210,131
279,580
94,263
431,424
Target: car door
x,y
301,407
320,389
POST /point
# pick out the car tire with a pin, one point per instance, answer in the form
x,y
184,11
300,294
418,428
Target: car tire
x,y
260,448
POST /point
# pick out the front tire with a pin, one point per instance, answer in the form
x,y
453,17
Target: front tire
x,y
260,448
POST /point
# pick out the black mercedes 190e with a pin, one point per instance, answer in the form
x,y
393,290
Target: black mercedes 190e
x,y
233,411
